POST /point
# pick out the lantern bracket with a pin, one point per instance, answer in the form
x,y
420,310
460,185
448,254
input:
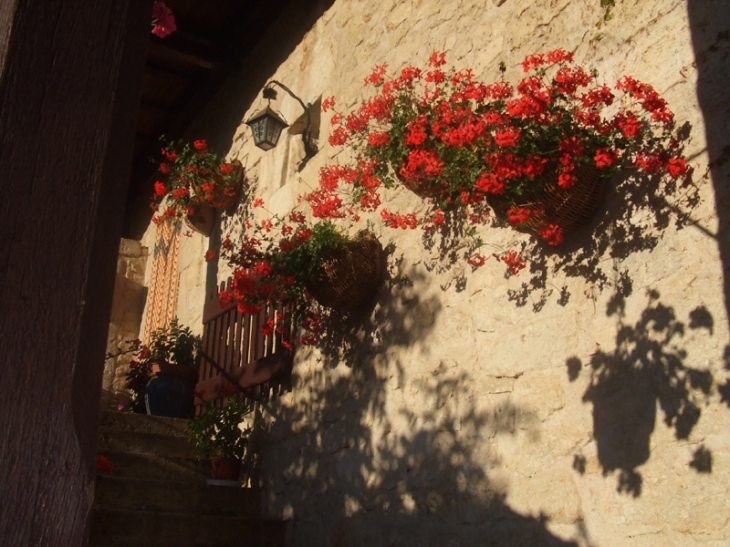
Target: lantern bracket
x,y
310,147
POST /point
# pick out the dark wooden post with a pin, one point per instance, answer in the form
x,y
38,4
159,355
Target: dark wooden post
x,y
70,78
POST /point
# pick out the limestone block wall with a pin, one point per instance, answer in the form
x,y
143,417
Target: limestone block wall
x,y
581,402
193,272
127,306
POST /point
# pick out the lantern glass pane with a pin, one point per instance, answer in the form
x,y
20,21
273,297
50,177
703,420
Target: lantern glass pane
x,y
258,130
274,130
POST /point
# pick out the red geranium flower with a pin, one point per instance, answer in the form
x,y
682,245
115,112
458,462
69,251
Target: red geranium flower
x,y
225,298
677,167
104,465
163,22
476,260
514,262
552,234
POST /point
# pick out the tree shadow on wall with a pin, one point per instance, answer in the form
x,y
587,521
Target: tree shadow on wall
x,y
356,464
396,317
648,367
710,28
637,209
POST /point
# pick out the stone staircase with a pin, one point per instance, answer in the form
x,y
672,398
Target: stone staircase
x,y
158,496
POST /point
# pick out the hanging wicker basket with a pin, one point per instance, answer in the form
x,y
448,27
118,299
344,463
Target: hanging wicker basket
x,y
425,187
351,277
570,208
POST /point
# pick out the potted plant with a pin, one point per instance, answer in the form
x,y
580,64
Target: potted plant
x,y
537,153
296,265
198,181
219,434
163,372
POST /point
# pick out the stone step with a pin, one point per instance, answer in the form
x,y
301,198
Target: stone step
x,y
127,494
129,421
143,442
156,467
148,529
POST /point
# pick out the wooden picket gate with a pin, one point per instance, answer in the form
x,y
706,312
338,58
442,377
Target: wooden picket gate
x,y
237,358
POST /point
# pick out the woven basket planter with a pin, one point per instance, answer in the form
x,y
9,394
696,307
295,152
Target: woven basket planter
x,y
351,277
570,208
425,187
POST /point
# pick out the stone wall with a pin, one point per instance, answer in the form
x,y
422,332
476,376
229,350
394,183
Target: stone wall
x,y
581,402
127,306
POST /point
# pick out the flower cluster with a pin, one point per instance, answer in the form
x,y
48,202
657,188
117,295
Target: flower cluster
x,y
459,142
163,22
274,266
218,431
195,176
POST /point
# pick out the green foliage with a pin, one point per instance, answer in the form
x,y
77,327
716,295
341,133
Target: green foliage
x,y
304,262
139,374
608,4
174,344
277,265
218,431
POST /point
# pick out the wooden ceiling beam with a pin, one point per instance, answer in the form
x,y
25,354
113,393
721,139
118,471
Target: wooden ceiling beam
x,y
161,54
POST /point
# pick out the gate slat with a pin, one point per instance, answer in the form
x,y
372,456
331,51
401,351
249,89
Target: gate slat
x,y
235,350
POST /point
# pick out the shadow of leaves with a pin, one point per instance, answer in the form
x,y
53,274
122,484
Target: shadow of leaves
x,y
647,368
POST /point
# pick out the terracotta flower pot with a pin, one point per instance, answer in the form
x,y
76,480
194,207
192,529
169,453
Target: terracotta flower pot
x,y
228,469
203,221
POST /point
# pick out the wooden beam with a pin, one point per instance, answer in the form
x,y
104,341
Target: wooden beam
x,y
70,82
167,56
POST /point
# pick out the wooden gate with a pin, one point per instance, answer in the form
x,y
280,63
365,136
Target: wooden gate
x,y
236,357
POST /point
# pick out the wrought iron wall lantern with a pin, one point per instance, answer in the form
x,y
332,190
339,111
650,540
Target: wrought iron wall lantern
x,y
267,125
